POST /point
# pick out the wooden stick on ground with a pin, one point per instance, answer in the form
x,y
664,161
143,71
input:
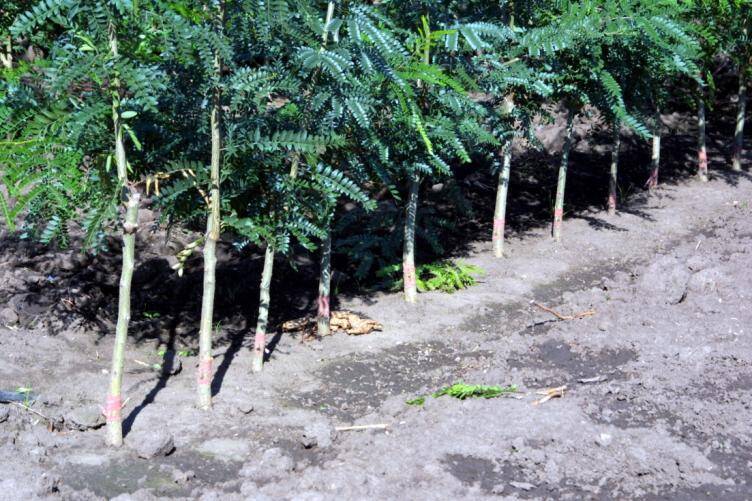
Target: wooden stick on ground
x,y
362,427
584,314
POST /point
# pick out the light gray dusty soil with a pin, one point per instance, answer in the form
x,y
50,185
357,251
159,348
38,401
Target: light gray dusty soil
x,y
668,416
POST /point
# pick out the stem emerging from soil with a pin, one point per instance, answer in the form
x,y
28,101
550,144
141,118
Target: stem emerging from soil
x,y
655,163
408,252
614,175
740,116
702,150
500,211
324,328
259,344
213,224
561,186
113,404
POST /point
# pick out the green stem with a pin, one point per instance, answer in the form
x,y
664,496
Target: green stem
x,y
614,174
259,345
562,183
702,150
740,118
655,163
324,328
500,210
113,404
213,225
408,252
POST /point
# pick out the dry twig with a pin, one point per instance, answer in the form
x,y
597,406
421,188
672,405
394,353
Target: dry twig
x,y
584,314
550,393
362,427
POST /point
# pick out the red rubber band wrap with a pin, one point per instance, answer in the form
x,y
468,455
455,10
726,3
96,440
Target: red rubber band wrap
x,y
205,371
112,408
324,306
408,272
559,214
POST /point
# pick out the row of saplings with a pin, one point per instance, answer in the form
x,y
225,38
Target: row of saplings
x,y
205,370
204,375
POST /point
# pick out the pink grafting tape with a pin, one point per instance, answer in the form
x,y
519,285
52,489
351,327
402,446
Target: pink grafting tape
x,y
205,371
498,229
408,271
113,406
703,157
324,306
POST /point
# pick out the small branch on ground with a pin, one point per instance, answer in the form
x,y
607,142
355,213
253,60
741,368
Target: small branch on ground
x,y
362,427
550,393
584,314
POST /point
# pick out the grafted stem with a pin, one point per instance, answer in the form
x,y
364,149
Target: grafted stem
x,y
702,150
740,119
614,174
408,251
259,345
324,313
213,226
132,199
562,183
655,159
500,211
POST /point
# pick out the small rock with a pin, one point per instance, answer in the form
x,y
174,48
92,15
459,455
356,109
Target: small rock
x,y
604,326
497,489
604,439
316,434
245,407
8,316
4,413
182,477
51,400
151,444
48,483
522,486
85,418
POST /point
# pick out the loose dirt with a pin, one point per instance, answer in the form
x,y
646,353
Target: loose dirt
x,y
664,412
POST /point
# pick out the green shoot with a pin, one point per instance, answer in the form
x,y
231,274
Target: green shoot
x,y
464,391
444,276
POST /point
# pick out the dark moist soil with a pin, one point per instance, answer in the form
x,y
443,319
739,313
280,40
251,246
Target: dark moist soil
x,y
659,377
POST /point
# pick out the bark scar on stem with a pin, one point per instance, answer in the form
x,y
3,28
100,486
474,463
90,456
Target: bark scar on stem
x,y
130,228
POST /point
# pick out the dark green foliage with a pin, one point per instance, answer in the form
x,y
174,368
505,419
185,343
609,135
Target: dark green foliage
x,y
444,276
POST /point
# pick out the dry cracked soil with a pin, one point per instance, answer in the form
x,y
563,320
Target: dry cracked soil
x,y
658,379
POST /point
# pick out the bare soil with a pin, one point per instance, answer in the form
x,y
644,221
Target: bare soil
x,y
659,379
